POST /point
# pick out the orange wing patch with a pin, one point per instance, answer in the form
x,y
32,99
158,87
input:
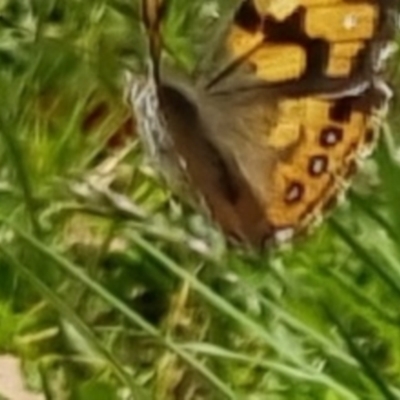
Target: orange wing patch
x,y
342,56
341,22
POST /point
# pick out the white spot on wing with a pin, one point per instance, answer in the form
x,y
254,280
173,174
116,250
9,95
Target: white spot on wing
x,y
318,165
350,22
331,138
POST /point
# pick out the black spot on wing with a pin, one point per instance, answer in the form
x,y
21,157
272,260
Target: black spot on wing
x,y
247,17
294,192
341,110
318,165
330,136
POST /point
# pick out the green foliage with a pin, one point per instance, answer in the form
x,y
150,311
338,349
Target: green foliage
x,y
109,289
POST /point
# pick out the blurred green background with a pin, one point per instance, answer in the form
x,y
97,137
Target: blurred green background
x,y
110,289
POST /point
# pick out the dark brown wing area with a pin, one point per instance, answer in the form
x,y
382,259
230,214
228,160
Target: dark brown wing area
x,y
210,165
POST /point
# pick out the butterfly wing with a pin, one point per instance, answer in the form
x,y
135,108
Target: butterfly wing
x,y
314,66
268,138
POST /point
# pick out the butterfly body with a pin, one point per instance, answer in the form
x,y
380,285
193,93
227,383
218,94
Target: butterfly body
x,y
267,141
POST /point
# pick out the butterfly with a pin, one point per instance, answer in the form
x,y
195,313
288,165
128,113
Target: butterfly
x,y
267,131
